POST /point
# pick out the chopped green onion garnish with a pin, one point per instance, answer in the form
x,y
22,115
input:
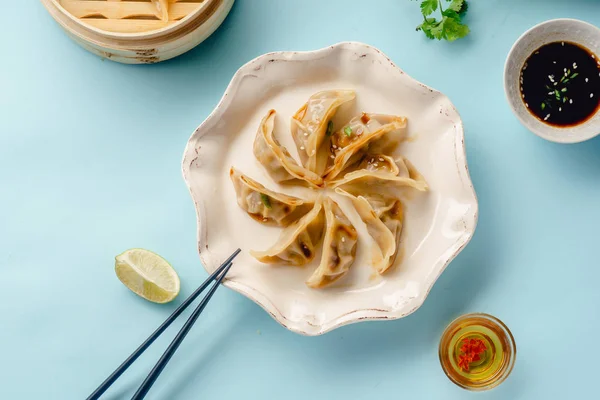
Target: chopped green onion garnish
x,y
543,106
329,128
265,200
563,89
574,75
348,131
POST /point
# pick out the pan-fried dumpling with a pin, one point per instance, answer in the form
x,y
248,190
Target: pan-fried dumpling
x,y
386,235
392,215
264,205
276,159
357,180
163,9
339,247
311,123
379,163
372,132
297,243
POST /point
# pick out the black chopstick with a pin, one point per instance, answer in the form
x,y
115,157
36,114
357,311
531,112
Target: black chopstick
x,y
117,373
162,362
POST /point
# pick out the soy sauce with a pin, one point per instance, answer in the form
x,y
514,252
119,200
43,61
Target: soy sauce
x,y
560,84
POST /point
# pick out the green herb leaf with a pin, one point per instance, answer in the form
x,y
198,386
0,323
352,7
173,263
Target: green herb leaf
x,y
428,7
265,200
457,5
450,27
543,106
329,128
348,131
454,29
451,14
574,75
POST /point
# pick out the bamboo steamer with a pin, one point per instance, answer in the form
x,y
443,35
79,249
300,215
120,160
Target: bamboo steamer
x,y
132,31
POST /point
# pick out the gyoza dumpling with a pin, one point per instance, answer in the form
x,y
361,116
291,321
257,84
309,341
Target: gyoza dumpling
x,y
386,238
264,205
379,163
392,215
297,243
339,247
310,125
163,9
276,159
372,132
408,176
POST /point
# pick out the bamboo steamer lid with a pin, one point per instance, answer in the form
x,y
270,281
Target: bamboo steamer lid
x,y
135,31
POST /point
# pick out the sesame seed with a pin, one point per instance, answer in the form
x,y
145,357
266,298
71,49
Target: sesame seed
x,y
571,101
305,133
301,147
563,43
551,77
554,62
593,56
555,83
526,105
343,239
591,95
537,52
565,70
559,108
546,118
376,165
550,92
381,159
521,88
372,159
586,80
334,146
332,156
523,96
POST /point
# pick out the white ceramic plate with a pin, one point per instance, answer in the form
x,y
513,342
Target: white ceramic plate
x,y
438,225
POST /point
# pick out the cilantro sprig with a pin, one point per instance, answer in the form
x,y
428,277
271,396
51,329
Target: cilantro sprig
x,y
450,26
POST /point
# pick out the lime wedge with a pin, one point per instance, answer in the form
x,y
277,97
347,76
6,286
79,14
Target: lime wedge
x,y
148,275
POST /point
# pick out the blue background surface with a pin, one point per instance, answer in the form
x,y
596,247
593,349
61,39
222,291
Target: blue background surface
x,y
90,155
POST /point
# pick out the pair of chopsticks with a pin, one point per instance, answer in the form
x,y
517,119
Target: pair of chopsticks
x,y
218,275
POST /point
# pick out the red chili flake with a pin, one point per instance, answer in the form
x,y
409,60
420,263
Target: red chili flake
x,y
471,351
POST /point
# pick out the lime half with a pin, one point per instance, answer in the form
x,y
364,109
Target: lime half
x,y
148,275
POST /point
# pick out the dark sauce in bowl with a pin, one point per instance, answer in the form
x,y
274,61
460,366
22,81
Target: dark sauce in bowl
x,y
560,84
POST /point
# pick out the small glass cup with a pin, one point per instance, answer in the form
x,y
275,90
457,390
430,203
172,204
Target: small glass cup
x,y
495,363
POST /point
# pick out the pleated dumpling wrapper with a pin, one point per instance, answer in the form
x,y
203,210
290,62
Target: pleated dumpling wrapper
x,y
384,220
377,180
162,6
298,242
339,247
265,205
276,159
310,126
375,133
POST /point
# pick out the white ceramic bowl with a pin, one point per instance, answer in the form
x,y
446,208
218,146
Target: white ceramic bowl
x,y
557,30
437,227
